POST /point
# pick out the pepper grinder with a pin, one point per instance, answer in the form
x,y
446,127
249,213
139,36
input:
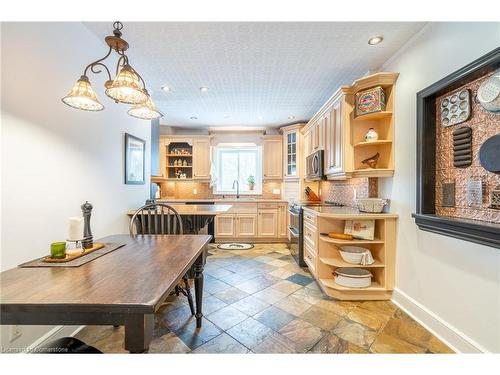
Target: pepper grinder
x,y
87,242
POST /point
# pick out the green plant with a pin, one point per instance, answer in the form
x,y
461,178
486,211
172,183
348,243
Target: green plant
x,y
251,180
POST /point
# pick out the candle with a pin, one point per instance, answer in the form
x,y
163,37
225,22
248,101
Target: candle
x,y
75,229
58,250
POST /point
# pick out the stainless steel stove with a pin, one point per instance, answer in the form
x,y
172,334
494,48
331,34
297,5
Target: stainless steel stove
x,y
296,227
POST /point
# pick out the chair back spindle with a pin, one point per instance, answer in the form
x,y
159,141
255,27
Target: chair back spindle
x,y
155,218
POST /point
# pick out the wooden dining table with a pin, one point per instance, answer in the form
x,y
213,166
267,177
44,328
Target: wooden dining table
x,y
124,287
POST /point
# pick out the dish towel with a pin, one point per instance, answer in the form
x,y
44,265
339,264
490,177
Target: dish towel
x,y
367,258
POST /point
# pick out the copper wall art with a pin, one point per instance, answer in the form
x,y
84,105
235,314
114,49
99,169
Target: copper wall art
x,y
462,147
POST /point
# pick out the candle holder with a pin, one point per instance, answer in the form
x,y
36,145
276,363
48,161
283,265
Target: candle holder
x,y
76,247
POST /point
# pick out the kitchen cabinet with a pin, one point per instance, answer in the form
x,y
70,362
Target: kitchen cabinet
x,y
272,158
292,152
283,220
267,222
307,143
246,225
334,139
201,159
224,225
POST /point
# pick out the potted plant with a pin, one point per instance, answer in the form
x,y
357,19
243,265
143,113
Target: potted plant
x,y
251,182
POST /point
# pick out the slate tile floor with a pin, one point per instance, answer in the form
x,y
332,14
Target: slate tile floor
x,y
260,301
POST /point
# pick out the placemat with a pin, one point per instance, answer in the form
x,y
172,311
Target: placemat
x,y
108,247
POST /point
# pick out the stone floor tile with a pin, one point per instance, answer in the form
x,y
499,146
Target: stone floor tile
x,y
355,333
389,344
264,259
341,308
178,318
169,343
371,319
237,278
292,305
286,287
405,328
218,272
299,279
226,317
276,343
231,295
221,344
214,286
274,317
434,345
281,273
311,296
254,285
383,307
250,332
211,304
194,337
321,318
250,305
302,333
278,263
269,295
107,339
331,344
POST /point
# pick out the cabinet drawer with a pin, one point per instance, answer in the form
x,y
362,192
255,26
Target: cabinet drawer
x,y
310,219
310,235
310,258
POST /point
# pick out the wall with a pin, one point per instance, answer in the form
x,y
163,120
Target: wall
x,y
452,286
54,157
346,191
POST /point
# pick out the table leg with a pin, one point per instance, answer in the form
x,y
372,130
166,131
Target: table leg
x,y
138,332
198,288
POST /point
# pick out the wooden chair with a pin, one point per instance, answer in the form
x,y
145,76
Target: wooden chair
x,y
160,218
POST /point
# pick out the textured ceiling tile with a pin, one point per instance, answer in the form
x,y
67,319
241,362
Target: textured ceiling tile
x,y
253,69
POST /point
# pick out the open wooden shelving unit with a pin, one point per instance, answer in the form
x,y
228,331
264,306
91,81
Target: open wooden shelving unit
x,y
383,249
382,122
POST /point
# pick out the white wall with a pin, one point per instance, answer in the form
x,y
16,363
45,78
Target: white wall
x,y
453,286
54,157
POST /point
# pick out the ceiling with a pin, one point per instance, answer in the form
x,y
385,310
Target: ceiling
x,y
258,73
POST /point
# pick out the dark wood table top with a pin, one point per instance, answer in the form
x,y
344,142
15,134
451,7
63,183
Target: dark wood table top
x,y
135,278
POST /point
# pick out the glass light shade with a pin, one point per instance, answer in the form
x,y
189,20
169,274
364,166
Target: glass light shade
x,y
126,87
145,111
82,96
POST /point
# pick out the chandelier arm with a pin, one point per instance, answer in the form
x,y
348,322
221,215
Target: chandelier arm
x,y
93,69
123,60
98,62
140,77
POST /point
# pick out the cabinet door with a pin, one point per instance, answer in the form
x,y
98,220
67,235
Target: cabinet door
x,y
315,136
307,143
224,226
201,159
283,220
163,158
291,150
329,141
268,222
246,225
272,159
336,164
321,131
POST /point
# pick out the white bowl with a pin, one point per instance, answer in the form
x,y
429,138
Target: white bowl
x,y
372,205
356,255
353,277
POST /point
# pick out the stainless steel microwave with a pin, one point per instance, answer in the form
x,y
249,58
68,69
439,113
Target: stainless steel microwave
x,y
314,165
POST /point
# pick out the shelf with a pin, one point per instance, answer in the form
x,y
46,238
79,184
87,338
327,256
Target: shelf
x,y
330,283
337,262
373,143
373,172
373,116
180,155
349,242
179,166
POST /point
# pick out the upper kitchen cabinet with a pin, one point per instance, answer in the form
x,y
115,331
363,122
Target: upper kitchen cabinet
x,y
272,158
184,157
351,150
201,158
293,144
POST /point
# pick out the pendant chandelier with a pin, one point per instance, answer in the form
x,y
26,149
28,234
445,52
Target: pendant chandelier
x,y
127,87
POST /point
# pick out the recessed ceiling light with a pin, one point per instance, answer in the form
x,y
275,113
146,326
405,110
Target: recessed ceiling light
x,y
203,88
259,117
375,40
166,88
194,118
291,117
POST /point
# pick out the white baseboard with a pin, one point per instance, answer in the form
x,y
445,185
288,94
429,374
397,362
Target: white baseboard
x,y
55,333
455,339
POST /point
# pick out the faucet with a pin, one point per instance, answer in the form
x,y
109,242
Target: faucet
x,y
237,188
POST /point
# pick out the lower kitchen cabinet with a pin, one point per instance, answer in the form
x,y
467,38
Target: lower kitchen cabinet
x,y
268,222
224,226
283,220
246,225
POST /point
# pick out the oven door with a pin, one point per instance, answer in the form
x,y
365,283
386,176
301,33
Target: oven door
x,y
294,234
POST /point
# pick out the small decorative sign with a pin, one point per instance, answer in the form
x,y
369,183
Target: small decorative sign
x,y
474,192
449,194
362,229
368,101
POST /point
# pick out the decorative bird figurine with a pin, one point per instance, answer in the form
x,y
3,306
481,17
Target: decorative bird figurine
x,y
372,161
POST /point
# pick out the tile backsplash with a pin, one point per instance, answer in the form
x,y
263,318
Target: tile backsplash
x,y
347,191
186,189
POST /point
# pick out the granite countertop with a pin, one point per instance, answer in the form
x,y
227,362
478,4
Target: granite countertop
x,y
242,199
345,213
196,209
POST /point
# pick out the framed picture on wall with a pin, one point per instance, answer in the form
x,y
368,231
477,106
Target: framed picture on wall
x,y
135,152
